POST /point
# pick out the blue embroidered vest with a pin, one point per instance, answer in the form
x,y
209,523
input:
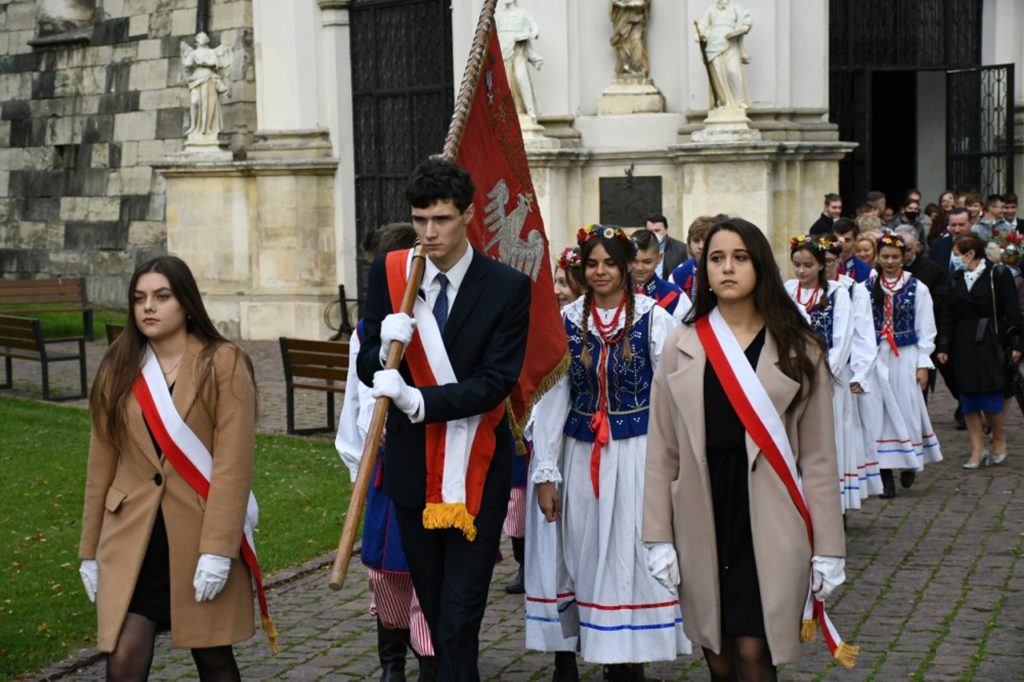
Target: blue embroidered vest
x,y
822,319
628,383
661,290
903,322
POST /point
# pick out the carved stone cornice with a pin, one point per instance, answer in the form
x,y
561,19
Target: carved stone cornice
x,y
334,4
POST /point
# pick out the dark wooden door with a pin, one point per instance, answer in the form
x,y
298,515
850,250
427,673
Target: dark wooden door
x,y
402,87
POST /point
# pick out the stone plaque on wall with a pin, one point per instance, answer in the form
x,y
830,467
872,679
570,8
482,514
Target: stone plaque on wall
x,y
627,201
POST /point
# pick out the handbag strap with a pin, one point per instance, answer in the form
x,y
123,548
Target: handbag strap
x,y
995,308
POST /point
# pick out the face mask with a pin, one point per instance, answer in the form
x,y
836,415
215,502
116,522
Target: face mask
x,y
911,216
957,262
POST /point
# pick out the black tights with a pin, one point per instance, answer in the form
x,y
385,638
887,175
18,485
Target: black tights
x,y
743,659
133,656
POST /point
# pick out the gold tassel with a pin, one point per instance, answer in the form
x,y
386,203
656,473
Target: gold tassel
x,y
808,630
543,387
268,627
450,515
847,654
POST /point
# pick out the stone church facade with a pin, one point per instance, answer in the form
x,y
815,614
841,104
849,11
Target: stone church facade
x,y
331,102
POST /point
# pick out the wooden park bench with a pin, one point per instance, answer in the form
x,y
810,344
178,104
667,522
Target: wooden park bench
x,y
39,296
313,366
113,331
21,338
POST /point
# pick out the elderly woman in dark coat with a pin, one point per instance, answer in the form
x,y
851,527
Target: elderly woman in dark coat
x,y
980,334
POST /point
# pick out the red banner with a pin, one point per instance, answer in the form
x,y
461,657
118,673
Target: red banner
x,y
508,226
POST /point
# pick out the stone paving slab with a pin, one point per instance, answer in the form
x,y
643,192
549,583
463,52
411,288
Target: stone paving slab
x,y
934,591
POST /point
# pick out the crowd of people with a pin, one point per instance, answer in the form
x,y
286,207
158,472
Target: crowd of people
x,y
687,477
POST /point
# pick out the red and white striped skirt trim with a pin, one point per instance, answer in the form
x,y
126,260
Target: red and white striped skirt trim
x,y
515,519
393,600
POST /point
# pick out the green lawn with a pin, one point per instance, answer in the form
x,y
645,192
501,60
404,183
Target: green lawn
x,y
56,325
301,485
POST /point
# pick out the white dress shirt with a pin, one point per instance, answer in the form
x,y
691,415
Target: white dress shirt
x,y
456,274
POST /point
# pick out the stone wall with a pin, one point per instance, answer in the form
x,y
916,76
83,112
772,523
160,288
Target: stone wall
x,y
84,117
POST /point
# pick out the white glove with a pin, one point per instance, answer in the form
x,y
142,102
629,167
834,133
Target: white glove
x,y
211,574
663,564
90,572
827,573
389,383
395,327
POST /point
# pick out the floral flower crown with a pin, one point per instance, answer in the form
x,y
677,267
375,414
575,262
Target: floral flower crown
x,y
829,246
569,258
806,241
892,239
588,232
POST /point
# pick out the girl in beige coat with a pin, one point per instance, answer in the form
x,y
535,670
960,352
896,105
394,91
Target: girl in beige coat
x,y
711,499
154,553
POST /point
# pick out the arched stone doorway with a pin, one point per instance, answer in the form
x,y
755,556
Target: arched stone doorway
x,y
907,83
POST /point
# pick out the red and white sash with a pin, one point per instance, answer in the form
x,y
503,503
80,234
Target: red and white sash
x,y
193,462
459,452
755,409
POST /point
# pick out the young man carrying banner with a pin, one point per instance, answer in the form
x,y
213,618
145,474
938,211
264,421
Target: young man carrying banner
x,y
447,463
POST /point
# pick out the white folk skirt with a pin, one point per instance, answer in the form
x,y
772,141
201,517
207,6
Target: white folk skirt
x,y
606,594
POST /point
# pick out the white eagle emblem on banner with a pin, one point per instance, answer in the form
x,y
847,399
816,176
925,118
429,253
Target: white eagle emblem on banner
x,y
524,255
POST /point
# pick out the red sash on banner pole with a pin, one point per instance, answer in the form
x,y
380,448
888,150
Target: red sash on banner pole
x,y
777,451
193,463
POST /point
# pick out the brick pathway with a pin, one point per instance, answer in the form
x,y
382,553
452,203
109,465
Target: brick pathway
x,y
934,591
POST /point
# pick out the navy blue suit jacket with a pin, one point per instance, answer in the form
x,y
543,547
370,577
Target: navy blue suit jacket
x,y
940,251
485,336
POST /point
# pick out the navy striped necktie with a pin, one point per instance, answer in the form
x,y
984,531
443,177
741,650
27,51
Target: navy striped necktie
x,y
441,303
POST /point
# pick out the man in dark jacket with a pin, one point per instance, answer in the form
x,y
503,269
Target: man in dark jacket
x,y
832,212
673,251
465,348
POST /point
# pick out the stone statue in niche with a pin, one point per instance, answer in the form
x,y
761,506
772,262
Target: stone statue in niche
x,y
629,28
516,32
632,91
206,73
720,33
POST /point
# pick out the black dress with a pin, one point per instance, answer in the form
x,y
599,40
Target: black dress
x,y
739,590
152,595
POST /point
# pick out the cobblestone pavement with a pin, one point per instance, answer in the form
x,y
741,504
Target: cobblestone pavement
x,y
934,591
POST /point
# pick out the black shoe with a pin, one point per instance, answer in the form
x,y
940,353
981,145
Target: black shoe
x,y
624,672
888,485
907,477
517,586
565,667
958,417
391,647
428,669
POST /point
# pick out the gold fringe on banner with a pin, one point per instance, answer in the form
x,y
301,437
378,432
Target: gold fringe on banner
x,y
546,384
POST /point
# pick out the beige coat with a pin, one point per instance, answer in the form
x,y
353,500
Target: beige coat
x,y
124,490
677,497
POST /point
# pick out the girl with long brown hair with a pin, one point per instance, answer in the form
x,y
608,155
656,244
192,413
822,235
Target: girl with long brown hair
x,y
159,549
589,442
718,511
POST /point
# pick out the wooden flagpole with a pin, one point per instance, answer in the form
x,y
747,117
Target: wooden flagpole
x,y
470,77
